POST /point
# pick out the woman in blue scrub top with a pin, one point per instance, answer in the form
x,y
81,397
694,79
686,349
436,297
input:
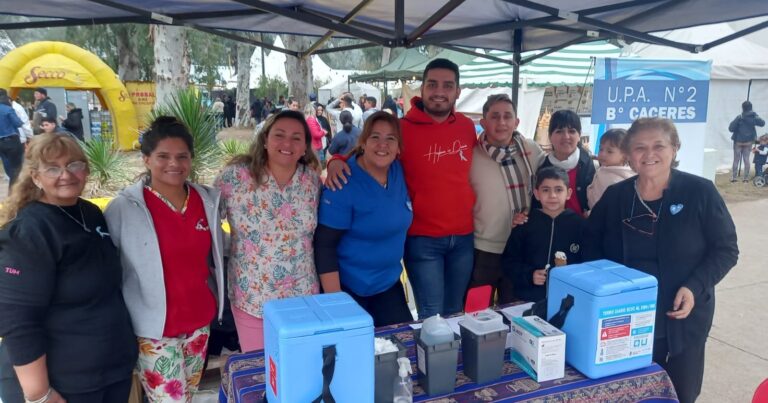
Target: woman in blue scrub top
x,y
361,228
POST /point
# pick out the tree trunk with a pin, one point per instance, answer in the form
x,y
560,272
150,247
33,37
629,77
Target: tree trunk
x,y
298,70
6,44
127,53
244,53
171,60
385,53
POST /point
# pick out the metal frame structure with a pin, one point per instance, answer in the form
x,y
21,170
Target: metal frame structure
x,y
575,26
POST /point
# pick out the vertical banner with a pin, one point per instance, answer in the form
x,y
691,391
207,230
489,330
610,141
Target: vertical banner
x,y
628,89
142,95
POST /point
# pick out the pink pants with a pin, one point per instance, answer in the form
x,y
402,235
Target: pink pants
x,y
250,330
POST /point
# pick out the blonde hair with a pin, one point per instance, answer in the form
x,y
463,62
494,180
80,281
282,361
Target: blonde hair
x,y
42,148
257,157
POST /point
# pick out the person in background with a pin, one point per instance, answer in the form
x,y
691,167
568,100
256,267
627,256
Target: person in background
x,y
743,137
567,154
229,111
74,121
25,131
11,149
613,165
345,139
436,157
531,248
389,103
218,112
49,126
370,108
502,176
676,227
293,105
761,152
256,107
322,117
44,106
317,132
344,103
171,246
270,198
361,228
66,333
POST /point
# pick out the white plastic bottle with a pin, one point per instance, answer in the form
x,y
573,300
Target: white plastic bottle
x,y
403,383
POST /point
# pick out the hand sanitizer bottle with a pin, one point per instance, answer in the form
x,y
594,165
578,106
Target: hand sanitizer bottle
x,y
403,383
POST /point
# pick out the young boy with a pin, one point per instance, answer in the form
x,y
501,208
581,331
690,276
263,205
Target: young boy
x,y
532,246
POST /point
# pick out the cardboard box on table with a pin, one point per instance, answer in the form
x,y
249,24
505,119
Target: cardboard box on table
x,y
610,326
302,334
538,348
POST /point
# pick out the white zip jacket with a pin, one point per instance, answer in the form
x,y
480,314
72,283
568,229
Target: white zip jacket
x,y
133,232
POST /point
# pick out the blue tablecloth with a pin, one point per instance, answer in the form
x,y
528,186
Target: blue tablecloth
x,y
243,380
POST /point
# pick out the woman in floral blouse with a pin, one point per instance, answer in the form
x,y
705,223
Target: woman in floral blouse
x,y
270,197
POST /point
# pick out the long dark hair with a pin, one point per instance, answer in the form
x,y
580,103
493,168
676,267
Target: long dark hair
x,y
345,117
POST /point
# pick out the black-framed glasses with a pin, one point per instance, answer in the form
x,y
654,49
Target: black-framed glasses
x,y
643,223
74,167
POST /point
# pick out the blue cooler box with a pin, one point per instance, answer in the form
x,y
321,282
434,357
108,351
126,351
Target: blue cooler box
x,y
609,329
303,333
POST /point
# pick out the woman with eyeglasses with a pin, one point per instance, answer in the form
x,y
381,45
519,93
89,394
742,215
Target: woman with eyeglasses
x,y
168,232
676,227
66,333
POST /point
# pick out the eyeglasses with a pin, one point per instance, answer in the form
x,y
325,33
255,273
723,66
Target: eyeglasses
x,y
74,167
644,223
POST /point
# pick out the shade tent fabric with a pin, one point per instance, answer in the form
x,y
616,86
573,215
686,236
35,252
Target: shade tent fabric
x,y
570,66
739,71
487,24
397,69
336,88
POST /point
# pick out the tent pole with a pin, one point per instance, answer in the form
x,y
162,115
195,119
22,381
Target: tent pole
x,y
517,43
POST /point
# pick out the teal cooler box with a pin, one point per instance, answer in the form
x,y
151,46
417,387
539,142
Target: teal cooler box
x,y
609,328
314,341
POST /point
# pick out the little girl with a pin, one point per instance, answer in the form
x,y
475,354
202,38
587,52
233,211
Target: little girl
x,y
761,152
613,165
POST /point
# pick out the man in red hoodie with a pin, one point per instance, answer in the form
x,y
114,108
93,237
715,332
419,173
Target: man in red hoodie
x,y
436,157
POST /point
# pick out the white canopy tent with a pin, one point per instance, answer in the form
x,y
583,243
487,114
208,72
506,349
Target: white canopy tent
x,y
335,88
739,71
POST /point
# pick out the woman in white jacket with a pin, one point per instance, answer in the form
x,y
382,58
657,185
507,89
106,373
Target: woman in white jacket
x,y
170,242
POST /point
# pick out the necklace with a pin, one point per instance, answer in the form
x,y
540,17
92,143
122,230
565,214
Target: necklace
x,y
654,215
82,217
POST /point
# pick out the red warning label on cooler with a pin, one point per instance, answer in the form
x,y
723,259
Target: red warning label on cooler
x,y
273,376
615,332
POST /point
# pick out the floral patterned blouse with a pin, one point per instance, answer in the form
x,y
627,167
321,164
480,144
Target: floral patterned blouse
x,y
271,254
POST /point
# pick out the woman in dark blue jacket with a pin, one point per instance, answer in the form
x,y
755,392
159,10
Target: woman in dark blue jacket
x,y
676,227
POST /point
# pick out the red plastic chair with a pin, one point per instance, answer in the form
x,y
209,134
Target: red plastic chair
x,y
761,393
478,298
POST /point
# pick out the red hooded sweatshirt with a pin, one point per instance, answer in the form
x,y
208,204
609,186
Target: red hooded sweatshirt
x,y
436,158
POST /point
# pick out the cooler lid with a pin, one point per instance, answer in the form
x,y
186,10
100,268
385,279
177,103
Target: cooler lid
x,y
603,277
316,314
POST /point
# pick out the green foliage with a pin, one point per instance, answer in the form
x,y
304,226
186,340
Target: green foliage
x,y
208,53
109,167
188,106
233,147
270,87
101,41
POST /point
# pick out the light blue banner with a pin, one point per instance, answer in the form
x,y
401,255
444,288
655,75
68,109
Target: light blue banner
x,y
627,89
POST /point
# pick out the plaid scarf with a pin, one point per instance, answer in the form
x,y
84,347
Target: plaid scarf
x,y
515,169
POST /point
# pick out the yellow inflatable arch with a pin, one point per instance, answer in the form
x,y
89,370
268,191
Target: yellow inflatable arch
x,y
60,64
